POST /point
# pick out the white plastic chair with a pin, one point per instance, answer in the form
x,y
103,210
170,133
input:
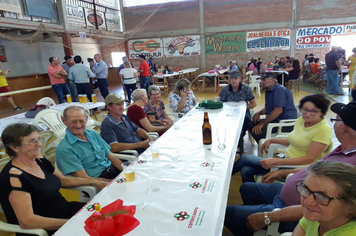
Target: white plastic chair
x,y
254,83
46,101
48,148
50,119
17,229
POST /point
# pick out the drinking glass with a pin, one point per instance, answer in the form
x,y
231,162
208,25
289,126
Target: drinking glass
x,y
221,135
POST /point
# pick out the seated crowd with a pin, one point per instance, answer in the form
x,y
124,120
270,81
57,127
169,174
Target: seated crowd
x,y
87,156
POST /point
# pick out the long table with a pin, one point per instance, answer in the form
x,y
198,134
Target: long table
x,y
185,71
274,71
185,191
4,122
215,75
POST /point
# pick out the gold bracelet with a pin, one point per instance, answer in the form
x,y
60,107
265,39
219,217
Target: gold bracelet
x,y
91,181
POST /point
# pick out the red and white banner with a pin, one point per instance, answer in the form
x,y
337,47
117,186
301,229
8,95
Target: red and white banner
x,y
318,36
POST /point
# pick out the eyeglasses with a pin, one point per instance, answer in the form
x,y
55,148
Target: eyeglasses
x,y
312,112
154,94
334,120
321,199
33,142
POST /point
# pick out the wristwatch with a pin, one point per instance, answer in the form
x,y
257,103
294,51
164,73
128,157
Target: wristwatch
x,y
267,220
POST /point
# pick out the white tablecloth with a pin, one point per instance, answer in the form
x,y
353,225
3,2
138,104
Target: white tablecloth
x,y
185,71
219,72
190,180
4,122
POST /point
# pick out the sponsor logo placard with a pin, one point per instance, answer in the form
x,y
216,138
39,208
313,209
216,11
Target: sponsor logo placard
x,y
182,46
268,40
90,19
75,16
148,47
225,43
318,36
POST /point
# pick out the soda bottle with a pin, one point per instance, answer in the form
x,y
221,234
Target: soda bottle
x,y
93,98
69,98
206,130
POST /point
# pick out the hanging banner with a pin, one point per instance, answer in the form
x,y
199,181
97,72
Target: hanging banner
x,y
3,57
148,47
90,19
350,29
75,16
11,6
112,22
318,36
40,8
225,43
268,40
182,46
107,3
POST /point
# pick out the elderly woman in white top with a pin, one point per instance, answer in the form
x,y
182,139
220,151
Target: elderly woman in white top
x,y
182,99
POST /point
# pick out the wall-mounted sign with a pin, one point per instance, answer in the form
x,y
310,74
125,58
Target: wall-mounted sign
x,y
90,19
268,40
107,3
318,36
350,29
148,47
11,6
75,16
112,22
3,57
225,43
182,46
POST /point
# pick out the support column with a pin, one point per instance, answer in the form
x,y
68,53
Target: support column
x,y
202,36
293,40
67,44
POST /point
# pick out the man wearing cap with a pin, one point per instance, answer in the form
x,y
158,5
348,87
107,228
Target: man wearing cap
x,y
261,198
279,105
237,92
119,131
82,152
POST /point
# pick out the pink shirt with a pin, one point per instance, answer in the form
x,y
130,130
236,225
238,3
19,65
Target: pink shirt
x,y
52,70
252,67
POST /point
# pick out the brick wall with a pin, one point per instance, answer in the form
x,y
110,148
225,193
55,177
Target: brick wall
x,y
108,49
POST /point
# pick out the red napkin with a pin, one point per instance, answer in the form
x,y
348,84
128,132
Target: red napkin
x,y
113,220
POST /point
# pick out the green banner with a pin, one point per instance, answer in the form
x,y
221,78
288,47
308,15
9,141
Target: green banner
x,y
225,43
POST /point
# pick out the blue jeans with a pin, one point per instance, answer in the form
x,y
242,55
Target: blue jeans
x,y
73,90
103,86
129,89
257,198
61,89
85,88
145,82
332,78
249,166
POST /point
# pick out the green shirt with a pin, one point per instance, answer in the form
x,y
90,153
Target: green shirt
x,y
311,228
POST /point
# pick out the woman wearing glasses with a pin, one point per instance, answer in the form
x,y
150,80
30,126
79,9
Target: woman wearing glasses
x,y
310,140
155,109
30,185
328,197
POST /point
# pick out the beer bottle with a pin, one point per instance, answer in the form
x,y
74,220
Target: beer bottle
x,y
206,130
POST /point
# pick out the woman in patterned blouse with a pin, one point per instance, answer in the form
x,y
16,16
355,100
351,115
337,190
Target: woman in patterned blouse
x,y
182,99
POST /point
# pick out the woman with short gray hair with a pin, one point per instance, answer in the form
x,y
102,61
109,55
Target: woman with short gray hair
x,y
139,117
328,197
155,109
182,99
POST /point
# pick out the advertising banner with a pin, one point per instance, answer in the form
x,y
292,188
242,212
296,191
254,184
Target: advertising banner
x,y
107,3
182,46
75,16
112,22
11,6
350,29
40,8
90,19
225,43
148,47
318,36
268,40
3,57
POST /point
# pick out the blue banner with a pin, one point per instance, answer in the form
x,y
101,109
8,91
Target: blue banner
x,y
41,8
269,42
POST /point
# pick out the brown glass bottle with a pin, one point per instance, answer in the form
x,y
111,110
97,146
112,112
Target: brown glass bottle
x,y
206,130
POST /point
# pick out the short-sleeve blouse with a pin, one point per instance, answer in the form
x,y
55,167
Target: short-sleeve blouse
x,y
151,109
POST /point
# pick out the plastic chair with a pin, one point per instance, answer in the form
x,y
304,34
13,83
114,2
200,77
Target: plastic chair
x,y
17,229
223,81
48,148
254,83
50,119
46,101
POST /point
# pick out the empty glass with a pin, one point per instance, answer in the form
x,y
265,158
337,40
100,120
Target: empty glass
x,y
221,135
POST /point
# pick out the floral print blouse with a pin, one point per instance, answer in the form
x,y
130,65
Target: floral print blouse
x,y
151,109
174,100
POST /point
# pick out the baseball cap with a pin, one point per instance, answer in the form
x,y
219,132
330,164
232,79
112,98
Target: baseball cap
x,y
113,98
347,113
268,75
235,74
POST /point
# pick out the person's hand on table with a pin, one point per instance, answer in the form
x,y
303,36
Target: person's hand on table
x,y
100,184
257,129
269,163
146,143
256,221
256,118
271,177
168,121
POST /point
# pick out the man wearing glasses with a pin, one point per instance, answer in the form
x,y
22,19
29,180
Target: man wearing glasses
x,y
261,198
